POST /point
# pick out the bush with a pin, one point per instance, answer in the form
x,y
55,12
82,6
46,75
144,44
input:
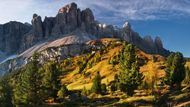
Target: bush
x,y
114,60
63,92
96,87
144,85
103,88
85,92
113,86
187,76
175,70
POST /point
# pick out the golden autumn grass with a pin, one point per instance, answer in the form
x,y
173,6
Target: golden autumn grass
x,y
151,69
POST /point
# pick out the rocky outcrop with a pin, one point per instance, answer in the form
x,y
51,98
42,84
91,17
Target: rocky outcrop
x,y
68,19
17,37
37,27
158,43
11,35
48,24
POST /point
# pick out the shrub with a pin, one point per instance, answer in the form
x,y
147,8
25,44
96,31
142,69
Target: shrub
x,y
113,86
103,88
175,70
96,87
187,76
63,92
85,92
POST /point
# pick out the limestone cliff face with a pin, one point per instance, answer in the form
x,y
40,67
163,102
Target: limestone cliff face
x,y
16,37
11,35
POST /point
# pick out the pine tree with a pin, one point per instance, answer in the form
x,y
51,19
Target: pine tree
x,y
50,79
129,77
175,70
96,87
28,88
5,94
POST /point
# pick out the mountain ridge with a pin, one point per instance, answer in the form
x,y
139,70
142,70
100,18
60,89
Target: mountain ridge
x,y
70,25
69,19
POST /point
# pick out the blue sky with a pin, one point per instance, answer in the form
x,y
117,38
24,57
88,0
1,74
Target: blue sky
x,y
169,19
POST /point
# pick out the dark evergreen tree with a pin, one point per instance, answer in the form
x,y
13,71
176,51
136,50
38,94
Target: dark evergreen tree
x,y
27,91
103,88
96,87
129,77
175,70
51,81
114,85
5,94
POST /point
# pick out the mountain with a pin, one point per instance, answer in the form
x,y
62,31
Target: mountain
x,y
61,61
70,26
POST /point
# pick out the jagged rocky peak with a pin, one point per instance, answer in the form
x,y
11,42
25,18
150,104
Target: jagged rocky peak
x,y
149,39
127,25
158,43
69,19
72,13
68,8
87,16
48,25
37,26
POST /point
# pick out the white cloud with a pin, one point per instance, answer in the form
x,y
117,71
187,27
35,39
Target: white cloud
x,y
105,10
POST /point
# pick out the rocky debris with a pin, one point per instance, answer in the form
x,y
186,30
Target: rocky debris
x,y
75,38
11,64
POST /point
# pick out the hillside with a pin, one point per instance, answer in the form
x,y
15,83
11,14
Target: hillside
x,y
77,81
78,72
